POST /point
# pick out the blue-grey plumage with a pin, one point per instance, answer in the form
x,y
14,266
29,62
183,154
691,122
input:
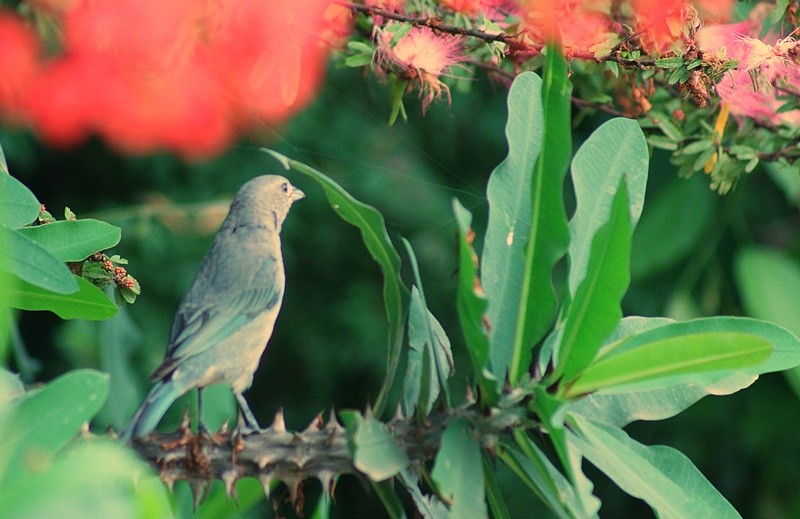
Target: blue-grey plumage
x,y
226,318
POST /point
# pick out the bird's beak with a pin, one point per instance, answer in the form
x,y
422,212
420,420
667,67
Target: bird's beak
x,y
297,195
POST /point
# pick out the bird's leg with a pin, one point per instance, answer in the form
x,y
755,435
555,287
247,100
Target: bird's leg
x,y
250,422
201,426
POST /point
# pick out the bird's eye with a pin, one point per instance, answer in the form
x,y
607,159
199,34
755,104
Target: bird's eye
x,y
285,187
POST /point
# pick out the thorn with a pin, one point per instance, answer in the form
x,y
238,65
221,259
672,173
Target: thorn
x,y
266,483
186,422
368,412
230,476
325,478
85,430
168,477
279,424
224,427
398,414
293,483
198,487
315,425
470,396
333,422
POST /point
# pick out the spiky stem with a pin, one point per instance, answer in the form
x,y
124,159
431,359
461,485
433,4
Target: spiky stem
x,y
319,452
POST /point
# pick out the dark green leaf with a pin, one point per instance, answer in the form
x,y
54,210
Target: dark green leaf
x,y
672,62
458,470
388,496
89,302
373,231
27,260
497,503
18,206
74,240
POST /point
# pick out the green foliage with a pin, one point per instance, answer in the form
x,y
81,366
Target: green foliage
x,y
595,371
45,472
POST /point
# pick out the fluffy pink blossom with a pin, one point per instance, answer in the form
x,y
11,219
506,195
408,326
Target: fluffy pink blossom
x,y
421,56
751,88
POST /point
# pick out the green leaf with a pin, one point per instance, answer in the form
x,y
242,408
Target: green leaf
x,y
74,240
661,476
89,302
697,147
18,206
689,348
430,507
430,357
43,421
597,170
662,120
3,163
373,231
376,452
549,235
458,470
428,353
497,503
93,479
672,62
27,260
541,476
671,225
472,306
509,195
619,408
388,496
769,283
358,60
595,310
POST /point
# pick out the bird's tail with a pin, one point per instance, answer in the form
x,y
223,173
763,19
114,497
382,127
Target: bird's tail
x,y
146,418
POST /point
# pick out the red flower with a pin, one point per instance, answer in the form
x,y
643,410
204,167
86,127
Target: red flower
x,y
18,65
184,74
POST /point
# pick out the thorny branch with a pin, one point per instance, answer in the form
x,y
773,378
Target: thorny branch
x,y
319,452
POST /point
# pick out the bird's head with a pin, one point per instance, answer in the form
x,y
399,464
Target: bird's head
x,y
264,200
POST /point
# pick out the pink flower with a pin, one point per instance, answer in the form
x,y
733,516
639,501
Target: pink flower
x,y
421,56
751,88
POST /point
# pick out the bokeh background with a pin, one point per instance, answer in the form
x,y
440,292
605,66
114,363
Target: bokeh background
x,y
329,345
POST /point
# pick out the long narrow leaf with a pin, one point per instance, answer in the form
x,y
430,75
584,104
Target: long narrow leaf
x,y
427,338
549,234
459,471
662,476
509,195
595,309
373,231
471,306
670,357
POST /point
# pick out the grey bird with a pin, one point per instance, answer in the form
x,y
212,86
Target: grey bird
x,y
226,318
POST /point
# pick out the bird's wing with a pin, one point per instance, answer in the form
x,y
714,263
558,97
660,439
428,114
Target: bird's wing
x,y
198,327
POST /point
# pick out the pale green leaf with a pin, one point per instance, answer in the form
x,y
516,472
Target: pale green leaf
x,y
616,150
661,476
18,206
28,261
